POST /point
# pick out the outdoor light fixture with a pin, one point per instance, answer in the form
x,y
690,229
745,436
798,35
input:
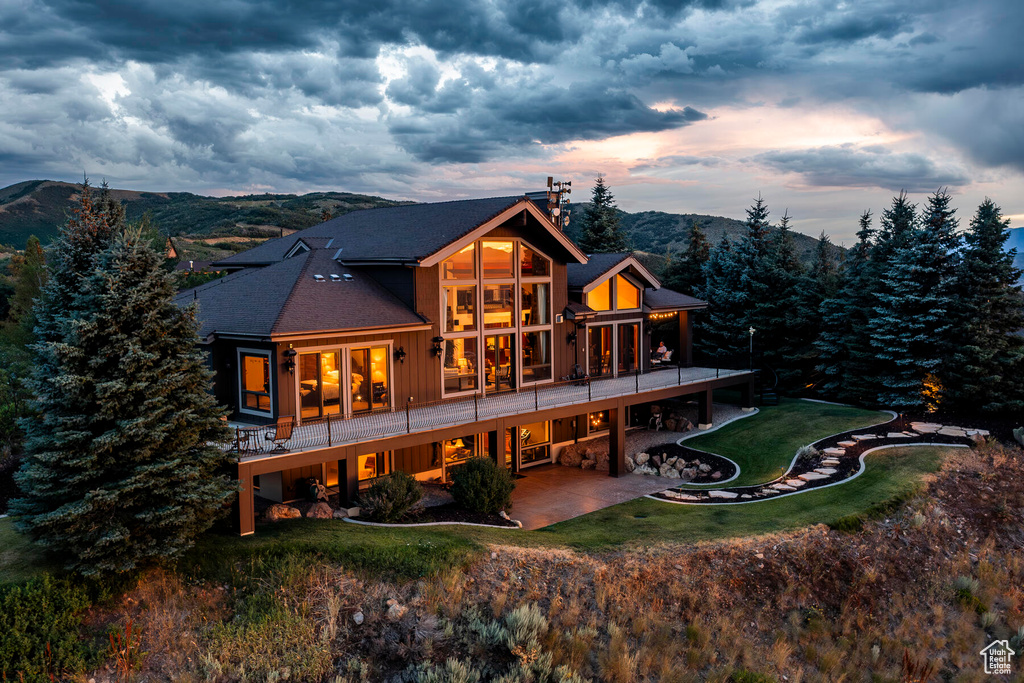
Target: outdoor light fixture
x,y
571,337
289,360
438,348
752,330
400,354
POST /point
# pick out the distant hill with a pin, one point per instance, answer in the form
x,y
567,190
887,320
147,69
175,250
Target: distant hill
x,y
657,232
40,207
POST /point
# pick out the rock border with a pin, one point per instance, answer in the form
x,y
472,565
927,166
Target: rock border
x,y
489,526
863,467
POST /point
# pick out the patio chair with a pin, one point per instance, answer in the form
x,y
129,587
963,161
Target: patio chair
x,y
281,433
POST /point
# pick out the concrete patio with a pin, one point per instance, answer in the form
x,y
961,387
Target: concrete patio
x,y
553,493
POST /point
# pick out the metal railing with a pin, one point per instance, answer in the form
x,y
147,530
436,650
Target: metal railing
x,y
343,429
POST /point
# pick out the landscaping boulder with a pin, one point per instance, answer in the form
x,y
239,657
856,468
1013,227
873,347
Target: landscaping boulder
x,y
679,464
320,510
396,610
571,455
642,458
278,511
671,473
716,476
670,424
588,464
704,467
656,460
340,514
630,465
688,473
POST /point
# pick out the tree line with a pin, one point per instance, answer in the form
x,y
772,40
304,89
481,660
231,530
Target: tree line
x,y
918,315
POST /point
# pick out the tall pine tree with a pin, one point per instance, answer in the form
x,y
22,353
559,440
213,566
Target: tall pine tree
x,y
685,273
601,232
123,467
985,370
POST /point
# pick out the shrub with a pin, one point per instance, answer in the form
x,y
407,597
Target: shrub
x,y
481,486
390,497
807,454
39,630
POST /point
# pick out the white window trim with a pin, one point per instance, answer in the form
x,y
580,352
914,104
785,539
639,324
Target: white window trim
x,y
614,324
613,293
346,373
269,355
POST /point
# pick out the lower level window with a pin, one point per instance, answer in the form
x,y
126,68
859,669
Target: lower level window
x,y
599,421
255,382
535,442
374,465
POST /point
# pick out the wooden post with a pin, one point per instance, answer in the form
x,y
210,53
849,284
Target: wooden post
x,y
349,488
246,503
617,441
496,443
685,339
747,393
704,408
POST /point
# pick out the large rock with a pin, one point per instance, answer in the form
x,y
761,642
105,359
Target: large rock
x,y
278,511
656,460
670,424
396,610
671,473
728,495
678,495
340,514
704,467
571,455
645,469
688,473
812,476
642,458
588,464
630,465
665,469
679,464
952,431
320,510
683,425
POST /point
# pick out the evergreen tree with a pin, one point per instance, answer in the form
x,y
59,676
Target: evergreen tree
x,y
686,272
29,273
601,232
987,364
123,466
844,352
723,332
825,270
911,329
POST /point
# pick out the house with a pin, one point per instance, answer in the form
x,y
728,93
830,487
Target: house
x,y
415,337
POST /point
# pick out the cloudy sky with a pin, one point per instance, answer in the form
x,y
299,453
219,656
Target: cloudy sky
x,y
825,108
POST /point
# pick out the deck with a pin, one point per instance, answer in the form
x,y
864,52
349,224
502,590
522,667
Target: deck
x,y
252,443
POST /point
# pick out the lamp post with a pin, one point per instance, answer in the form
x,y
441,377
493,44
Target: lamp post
x,y
752,330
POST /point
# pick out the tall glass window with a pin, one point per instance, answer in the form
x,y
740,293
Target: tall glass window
x,y
460,365
460,308
255,382
627,295
536,307
600,348
600,298
497,259
629,346
533,264
461,266
535,442
499,305
536,356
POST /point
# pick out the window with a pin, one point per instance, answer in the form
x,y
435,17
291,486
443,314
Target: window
x,y
598,422
600,298
627,295
370,381
461,266
460,372
535,443
499,305
533,264
600,348
319,384
255,369
536,356
497,259
374,465
629,344
460,308
536,309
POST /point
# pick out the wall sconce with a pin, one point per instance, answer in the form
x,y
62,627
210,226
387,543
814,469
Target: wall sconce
x,y
400,354
571,337
438,348
289,360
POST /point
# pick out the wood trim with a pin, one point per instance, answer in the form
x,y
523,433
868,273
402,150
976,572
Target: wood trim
x,y
502,217
629,261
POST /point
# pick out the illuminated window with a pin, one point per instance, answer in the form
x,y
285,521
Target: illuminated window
x,y
461,266
533,264
536,356
374,465
629,347
598,422
255,383
627,295
460,308
499,305
535,305
600,350
600,298
535,442
497,259
460,364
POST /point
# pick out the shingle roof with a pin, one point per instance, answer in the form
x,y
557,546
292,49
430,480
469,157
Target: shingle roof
x,y
665,298
405,233
284,298
579,275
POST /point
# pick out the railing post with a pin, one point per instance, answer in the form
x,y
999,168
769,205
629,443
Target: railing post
x,y
238,441
328,430
476,407
679,375
535,399
408,428
590,396
637,380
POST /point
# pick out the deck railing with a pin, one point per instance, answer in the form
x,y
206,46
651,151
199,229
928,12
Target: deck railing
x,y
342,429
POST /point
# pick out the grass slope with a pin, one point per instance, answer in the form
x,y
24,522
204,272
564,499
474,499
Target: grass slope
x,y
763,445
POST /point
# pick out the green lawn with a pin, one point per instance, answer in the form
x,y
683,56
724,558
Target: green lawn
x,y
763,445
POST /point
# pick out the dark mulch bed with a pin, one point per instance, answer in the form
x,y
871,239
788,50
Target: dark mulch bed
x,y
849,463
448,512
726,468
8,489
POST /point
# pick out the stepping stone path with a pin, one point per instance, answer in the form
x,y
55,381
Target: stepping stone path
x,y
812,476
677,495
796,483
925,427
782,487
847,444
835,452
863,437
830,462
827,471
896,435
723,494
952,431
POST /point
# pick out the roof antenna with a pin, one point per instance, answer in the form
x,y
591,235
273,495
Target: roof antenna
x,y
558,202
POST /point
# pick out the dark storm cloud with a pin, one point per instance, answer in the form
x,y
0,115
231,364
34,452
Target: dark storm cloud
x,y
539,114
869,166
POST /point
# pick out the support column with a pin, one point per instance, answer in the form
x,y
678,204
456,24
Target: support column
x,y
496,443
704,409
349,488
617,441
685,339
246,504
747,395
